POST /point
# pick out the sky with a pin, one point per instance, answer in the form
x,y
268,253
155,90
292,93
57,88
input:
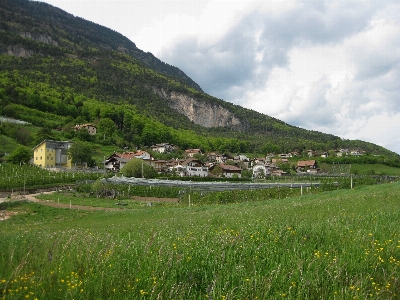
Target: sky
x,y
329,66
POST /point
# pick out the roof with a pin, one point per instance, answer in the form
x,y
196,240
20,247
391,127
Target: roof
x,y
230,168
193,151
54,144
305,163
161,145
84,125
120,159
124,155
280,160
189,160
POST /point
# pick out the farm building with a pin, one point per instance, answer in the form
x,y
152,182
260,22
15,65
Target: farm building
x,y
52,154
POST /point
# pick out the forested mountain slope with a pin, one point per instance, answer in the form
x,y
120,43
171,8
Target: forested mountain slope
x,y
39,21
57,69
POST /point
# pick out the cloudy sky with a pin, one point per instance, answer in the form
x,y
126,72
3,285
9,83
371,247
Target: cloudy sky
x,y
329,66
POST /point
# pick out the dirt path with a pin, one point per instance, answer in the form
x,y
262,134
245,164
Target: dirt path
x,y
32,198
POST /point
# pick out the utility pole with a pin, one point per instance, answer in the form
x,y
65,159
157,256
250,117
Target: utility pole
x,y
351,181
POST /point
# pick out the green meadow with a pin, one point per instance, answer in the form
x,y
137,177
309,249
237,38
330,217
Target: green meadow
x,y
374,169
342,244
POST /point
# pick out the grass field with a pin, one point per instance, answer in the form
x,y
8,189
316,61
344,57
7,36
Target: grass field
x,y
342,244
372,169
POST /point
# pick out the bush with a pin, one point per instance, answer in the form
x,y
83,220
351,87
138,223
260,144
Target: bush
x,y
137,168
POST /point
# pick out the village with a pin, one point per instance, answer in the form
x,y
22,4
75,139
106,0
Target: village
x,y
52,154
227,166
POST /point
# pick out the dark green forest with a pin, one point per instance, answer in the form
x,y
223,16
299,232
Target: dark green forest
x,y
57,70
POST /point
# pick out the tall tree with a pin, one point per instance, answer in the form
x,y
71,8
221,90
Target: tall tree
x,y
21,155
43,133
82,152
106,127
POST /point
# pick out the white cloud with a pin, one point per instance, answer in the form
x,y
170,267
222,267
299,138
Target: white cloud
x,y
331,67
206,25
381,129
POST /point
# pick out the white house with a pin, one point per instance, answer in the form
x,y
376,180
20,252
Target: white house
x,y
260,171
195,167
191,152
162,148
140,154
117,161
190,167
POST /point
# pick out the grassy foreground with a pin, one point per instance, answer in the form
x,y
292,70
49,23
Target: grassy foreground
x,y
337,245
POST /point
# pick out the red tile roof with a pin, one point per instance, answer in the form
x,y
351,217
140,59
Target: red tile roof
x,y
306,163
229,168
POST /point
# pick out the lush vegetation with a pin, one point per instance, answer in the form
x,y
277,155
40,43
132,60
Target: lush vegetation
x,y
264,244
136,168
374,169
362,159
340,244
60,32
74,71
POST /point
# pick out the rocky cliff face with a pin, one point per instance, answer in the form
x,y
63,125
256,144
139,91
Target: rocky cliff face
x,y
46,39
200,112
20,51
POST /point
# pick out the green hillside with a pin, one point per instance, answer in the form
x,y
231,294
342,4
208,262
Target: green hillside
x,y
57,70
64,33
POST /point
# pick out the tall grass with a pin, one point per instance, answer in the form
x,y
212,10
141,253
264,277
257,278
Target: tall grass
x,y
338,245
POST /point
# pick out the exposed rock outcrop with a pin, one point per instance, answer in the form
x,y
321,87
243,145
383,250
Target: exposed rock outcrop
x,y
46,39
19,51
200,112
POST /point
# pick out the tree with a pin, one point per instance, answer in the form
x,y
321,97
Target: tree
x,y
23,135
107,127
82,152
217,171
21,155
286,167
270,148
84,135
136,168
43,133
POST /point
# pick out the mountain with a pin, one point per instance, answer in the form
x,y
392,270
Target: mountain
x,y
47,24
58,69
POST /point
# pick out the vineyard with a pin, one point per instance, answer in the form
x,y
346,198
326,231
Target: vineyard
x,y
27,176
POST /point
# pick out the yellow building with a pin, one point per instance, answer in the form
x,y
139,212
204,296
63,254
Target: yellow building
x,y
52,154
